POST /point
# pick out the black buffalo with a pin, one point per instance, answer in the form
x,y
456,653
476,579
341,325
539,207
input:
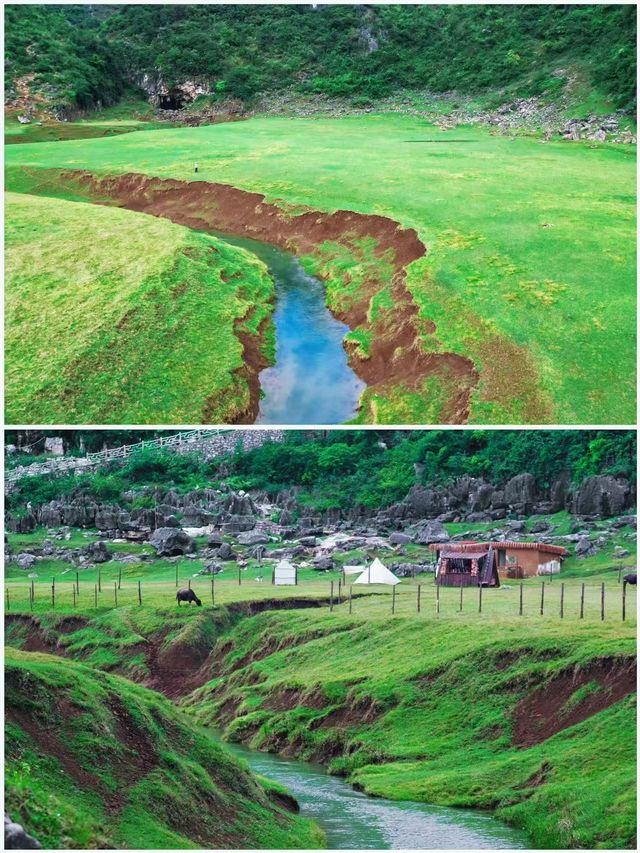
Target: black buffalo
x,y
187,595
632,579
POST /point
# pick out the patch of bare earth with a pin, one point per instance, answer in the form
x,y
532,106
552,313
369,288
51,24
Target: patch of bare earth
x,y
550,709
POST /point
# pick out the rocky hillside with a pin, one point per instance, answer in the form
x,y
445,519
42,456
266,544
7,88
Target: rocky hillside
x,y
72,58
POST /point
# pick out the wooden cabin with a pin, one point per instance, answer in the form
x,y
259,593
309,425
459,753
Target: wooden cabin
x,y
513,559
467,568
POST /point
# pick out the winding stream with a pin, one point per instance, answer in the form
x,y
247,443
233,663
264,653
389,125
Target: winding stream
x,y
352,820
311,381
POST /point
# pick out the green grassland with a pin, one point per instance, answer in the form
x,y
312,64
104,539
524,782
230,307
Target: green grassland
x,y
531,244
407,706
94,761
130,319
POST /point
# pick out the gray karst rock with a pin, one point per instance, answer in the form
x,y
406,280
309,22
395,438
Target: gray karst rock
x,y
50,515
16,838
422,502
214,540
106,517
602,496
521,491
559,492
25,561
397,538
481,498
308,541
409,570
286,518
584,548
432,531
27,523
252,539
239,524
541,526
323,564
172,542
517,526
97,552
478,516
226,552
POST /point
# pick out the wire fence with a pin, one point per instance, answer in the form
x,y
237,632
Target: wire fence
x,y
575,601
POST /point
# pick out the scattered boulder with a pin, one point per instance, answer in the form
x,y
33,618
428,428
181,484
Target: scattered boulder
x,y
251,538
432,531
226,552
97,552
16,838
171,542
308,541
397,538
585,548
25,561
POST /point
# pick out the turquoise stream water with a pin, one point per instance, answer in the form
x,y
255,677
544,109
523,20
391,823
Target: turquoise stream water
x,y
352,820
311,381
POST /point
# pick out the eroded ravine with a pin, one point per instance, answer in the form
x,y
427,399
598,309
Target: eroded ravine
x,y
396,357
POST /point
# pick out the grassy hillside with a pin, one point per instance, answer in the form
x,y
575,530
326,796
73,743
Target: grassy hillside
x,y
81,55
114,317
531,717
523,238
94,761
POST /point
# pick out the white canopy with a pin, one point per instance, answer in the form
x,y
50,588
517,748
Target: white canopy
x,y
353,570
284,574
377,573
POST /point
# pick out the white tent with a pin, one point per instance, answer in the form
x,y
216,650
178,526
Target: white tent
x,y
377,573
353,570
285,574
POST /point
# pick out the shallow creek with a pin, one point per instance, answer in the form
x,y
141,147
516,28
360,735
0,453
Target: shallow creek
x,y
352,820
311,381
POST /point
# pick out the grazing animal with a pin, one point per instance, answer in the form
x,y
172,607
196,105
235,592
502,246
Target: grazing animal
x,y
632,579
187,595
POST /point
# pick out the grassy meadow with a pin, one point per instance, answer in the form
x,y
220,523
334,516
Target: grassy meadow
x,y
530,269
131,319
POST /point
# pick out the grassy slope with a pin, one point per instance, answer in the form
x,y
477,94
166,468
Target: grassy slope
x,y
96,761
443,730
565,292
124,303
440,694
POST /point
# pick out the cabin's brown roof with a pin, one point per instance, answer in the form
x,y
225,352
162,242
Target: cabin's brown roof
x,y
558,550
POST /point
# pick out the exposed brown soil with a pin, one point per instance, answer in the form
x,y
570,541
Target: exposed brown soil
x,y
396,355
354,713
547,710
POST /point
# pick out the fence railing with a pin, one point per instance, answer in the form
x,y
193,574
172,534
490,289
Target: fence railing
x,y
105,456
107,589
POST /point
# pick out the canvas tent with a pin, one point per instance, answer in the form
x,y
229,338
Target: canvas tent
x,y
353,570
377,573
285,574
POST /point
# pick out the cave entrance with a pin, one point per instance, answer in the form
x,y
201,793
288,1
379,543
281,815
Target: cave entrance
x,y
173,100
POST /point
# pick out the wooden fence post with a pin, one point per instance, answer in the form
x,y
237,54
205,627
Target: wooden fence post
x,y
562,601
340,590
295,577
78,583
239,576
393,600
8,600
139,593
418,602
437,598
119,577
542,599
331,597
213,589
602,603
582,601
350,597
99,580
480,599
520,605
189,583
461,588
624,601
53,593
